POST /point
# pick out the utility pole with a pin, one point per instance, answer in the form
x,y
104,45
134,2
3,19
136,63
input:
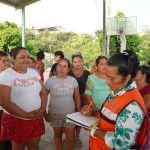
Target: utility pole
x,y
104,29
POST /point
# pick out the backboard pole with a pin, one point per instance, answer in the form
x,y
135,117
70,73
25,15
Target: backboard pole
x,y
123,42
108,44
23,26
104,50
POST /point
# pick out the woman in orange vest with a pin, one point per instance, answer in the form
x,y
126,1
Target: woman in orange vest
x,y
123,114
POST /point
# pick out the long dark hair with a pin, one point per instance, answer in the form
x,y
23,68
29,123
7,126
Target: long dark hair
x,y
99,58
127,63
40,55
145,70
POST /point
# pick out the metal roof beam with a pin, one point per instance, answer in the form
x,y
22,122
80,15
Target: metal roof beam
x,y
27,2
19,4
8,3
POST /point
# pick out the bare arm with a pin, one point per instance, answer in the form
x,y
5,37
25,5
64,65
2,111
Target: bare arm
x,y
147,100
100,134
43,95
40,66
11,107
77,99
47,115
89,98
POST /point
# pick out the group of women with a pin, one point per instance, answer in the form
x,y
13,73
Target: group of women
x,y
112,90
122,122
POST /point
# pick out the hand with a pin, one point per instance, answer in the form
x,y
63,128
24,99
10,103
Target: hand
x,y
40,112
86,111
47,117
87,129
31,115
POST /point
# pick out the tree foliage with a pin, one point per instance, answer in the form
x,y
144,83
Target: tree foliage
x,y
90,46
144,46
10,36
119,14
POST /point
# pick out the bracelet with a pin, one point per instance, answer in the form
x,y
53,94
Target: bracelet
x,y
92,132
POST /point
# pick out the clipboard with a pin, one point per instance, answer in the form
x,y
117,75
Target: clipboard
x,y
81,120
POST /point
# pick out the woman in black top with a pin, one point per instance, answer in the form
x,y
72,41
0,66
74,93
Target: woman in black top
x,y
81,76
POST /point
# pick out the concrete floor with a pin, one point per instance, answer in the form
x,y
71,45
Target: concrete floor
x,y
47,142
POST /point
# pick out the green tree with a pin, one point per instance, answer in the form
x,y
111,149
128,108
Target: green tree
x,y
133,42
144,46
99,39
120,14
10,36
65,36
84,43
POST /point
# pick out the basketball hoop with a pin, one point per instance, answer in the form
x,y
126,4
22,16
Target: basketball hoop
x,y
121,31
121,27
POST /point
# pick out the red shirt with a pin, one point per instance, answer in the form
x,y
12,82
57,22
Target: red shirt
x,y
39,65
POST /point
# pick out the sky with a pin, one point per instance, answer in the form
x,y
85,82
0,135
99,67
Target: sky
x,y
80,16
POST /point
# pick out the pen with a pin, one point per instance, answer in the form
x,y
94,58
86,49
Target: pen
x,y
88,107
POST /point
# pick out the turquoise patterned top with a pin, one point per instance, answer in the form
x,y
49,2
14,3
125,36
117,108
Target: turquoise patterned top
x,y
127,124
99,90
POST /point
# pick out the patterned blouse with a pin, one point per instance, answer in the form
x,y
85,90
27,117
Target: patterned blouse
x,y
127,124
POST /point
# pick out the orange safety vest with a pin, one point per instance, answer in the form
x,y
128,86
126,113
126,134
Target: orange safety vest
x,y
108,116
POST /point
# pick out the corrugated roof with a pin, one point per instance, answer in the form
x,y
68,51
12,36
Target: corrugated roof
x,y
18,3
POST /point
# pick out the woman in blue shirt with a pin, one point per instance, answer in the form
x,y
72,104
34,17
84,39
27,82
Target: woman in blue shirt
x,y
97,89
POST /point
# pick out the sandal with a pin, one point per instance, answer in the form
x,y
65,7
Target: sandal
x,y
78,142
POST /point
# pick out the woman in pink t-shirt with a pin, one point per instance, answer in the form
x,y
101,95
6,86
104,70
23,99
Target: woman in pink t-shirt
x,y
23,98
